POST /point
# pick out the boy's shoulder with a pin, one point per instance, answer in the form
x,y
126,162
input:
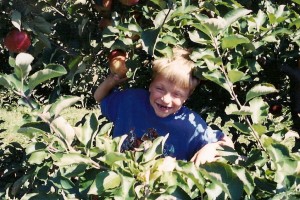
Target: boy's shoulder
x,y
134,92
130,94
190,115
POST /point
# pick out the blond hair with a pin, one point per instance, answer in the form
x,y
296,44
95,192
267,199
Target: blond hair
x,y
178,69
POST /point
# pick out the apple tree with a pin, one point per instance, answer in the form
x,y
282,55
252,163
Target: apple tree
x,y
246,53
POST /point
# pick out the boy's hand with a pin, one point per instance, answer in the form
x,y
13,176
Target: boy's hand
x,y
210,153
115,79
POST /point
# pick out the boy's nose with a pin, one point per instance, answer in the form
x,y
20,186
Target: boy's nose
x,y
166,98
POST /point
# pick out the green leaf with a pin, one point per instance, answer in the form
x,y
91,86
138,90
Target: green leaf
x,y
232,109
10,82
44,39
218,78
64,129
161,4
235,75
259,90
105,181
72,171
63,103
35,146
162,17
41,25
260,19
156,149
16,19
126,190
296,1
37,157
198,37
85,133
189,170
149,39
72,159
259,110
112,157
234,15
23,65
295,23
222,175
260,129
246,178
214,26
169,40
241,127
34,128
51,71
232,41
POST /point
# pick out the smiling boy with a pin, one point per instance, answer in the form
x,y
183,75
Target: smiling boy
x,y
143,114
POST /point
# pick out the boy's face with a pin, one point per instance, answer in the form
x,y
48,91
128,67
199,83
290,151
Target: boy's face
x,y
166,98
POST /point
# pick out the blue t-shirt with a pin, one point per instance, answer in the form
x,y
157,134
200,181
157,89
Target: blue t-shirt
x,y
131,113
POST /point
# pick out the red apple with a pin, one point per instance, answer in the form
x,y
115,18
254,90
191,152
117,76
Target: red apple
x,y
17,41
103,5
129,2
117,65
275,109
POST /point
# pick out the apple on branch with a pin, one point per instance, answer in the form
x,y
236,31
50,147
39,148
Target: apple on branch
x,y
17,41
117,65
103,5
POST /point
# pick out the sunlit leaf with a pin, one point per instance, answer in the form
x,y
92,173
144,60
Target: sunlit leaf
x,y
234,15
112,157
126,190
72,159
259,110
51,71
104,181
86,132
296,1
259,90
37,157
223,175
64,129
260,19
214,25
162,17
23,65
63,103
241,127
10,82
149,38
156,149
246,178
232,109
235,75
218,78
34,128
232,41
16,19
260,129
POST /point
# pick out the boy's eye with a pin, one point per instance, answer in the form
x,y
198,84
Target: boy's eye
x,y
177,94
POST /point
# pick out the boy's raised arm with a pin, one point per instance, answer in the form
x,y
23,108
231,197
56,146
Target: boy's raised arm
x,y
106,86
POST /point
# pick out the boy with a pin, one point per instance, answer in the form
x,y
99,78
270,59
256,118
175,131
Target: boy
x,y
146,114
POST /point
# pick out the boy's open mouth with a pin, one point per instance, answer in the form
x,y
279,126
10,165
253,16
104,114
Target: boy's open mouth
x,y
163,108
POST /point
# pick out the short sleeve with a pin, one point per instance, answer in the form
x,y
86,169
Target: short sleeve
x,y
110,104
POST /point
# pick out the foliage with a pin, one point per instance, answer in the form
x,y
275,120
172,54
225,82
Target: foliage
x,y
239,48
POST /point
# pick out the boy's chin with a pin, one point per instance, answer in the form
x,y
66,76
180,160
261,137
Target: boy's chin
x,y
162,114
